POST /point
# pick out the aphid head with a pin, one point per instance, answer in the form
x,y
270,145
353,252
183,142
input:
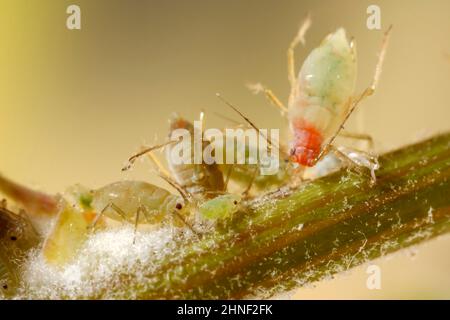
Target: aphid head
x,y
235,200
177,122
182,207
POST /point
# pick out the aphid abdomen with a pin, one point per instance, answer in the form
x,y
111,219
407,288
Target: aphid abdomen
x,y
308,141
129,196
325,86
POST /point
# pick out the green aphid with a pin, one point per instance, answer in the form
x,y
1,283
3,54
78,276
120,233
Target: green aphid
x,y
221,207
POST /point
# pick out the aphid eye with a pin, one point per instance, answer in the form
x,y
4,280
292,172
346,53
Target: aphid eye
x,y
235,202
179,206
5,286
13,238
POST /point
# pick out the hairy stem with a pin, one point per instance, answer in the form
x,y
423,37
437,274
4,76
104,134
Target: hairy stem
x,y
286,239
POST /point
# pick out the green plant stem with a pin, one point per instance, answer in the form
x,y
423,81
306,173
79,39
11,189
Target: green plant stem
x,y
287,239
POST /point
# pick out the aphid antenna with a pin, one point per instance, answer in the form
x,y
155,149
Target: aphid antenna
x,y
184,194
299,38
306,24
250,184
134,157
257,88
224,117
245,118
158,164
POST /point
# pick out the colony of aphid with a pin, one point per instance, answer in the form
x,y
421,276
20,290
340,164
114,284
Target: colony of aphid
x,y
93,233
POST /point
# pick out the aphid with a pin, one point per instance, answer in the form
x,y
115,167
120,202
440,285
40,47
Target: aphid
x,y
220,207
17,236
244,174
68,234
249,177
139,202
131,201
185,175
203,184
200,180
321,97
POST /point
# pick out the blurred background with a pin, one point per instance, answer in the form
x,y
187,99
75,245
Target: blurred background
x,y
75,104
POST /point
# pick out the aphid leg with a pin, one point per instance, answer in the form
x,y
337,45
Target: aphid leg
x,y
186,196
108,206
138,214
144,151
227,178
299,38
164,174
358,136
146,214
376,76
358,159
281,149
366,93
250,184
3,204
257,88
179,216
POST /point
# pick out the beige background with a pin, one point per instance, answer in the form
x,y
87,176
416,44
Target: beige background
x,y
75,104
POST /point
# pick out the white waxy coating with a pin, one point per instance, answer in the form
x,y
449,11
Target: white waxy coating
x,y
325,84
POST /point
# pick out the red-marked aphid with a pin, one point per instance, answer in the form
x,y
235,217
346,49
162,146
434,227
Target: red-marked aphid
x,y
321,97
